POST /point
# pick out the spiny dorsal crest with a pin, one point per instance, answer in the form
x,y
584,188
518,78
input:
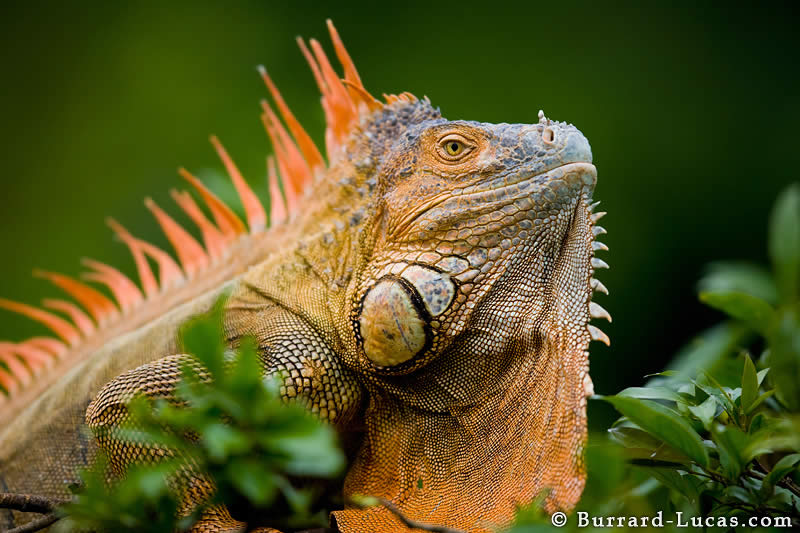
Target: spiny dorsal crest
x,y
297,162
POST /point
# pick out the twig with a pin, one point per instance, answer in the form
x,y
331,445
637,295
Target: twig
x,y
36,525
27,503
790,485
413,524
755,474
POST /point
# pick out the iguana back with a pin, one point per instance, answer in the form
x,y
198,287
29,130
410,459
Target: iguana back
x,y
49,382
430,277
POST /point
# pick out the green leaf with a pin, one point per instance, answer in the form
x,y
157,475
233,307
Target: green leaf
x,y
750,309
663,423
151,483
633,437
639,444
707,351
741,494
758,401
774,435
719,393
784,243
761,375
310,451
739,277
784,359
203,337
651,393
246,373
705,412
757,423
749,384
782,468
299,500
731,443
665,373
222,440
253,480
677,482
363,501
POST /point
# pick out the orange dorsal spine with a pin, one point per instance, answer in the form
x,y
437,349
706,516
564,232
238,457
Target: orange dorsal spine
x,y
256,216
78,317
191,254
296,163
124,290
212,237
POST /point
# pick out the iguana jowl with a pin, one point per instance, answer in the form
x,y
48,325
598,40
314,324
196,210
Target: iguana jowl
x,y
430,285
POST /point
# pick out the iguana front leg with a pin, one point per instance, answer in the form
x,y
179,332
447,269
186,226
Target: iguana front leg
x,y
287,344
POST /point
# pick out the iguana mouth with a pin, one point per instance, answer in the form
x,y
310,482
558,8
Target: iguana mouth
x,y
580,173
567,179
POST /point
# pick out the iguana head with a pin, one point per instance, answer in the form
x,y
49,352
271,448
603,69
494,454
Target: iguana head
x,y
471,308
477,226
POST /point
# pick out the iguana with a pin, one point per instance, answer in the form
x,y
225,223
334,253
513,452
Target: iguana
x,y
426,287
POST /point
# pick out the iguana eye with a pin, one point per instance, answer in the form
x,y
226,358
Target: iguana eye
x,y
453,147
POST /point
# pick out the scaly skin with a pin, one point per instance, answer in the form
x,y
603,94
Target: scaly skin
x,y
432,304
489,255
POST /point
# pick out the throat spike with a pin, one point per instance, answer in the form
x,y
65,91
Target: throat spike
x,y
597,335
597,286
597,311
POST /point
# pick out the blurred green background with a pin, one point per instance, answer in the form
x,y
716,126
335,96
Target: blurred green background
x,y
691,109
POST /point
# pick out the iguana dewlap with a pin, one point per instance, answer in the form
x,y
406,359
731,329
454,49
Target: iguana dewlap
x,y
429,286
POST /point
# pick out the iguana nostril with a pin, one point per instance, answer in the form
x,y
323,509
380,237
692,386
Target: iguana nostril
x,y
548,136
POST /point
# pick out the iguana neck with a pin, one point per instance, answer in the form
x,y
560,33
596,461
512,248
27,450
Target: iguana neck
x,y
467,467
